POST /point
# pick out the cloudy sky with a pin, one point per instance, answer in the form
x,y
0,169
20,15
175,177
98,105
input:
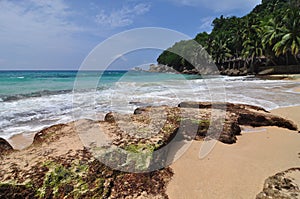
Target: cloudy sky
x,y
59,34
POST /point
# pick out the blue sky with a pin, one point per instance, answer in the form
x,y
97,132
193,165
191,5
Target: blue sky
x,y
59,34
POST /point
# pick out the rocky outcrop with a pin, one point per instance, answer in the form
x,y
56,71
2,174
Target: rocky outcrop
x,y
63,161
49,134
80,175
5,147
239,114
234,72
283,185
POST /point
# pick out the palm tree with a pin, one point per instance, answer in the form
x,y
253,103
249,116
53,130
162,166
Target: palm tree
x,y
220,51
271,32
252,45
236,38
271,35
290,40
252,50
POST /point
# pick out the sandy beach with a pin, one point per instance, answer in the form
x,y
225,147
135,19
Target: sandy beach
x,y
238,170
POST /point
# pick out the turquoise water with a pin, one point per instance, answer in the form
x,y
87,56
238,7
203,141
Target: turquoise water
x,y
33,100
15,85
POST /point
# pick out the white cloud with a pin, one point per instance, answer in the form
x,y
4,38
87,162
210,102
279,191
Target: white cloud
x,y
122,17
36,31
220,5
34,21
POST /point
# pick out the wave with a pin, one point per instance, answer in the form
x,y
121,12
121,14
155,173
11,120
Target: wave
x,y
9,98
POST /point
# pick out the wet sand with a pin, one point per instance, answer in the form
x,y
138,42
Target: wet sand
x,y
238,170
21,141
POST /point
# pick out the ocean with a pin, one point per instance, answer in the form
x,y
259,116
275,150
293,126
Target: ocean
x,y
33,100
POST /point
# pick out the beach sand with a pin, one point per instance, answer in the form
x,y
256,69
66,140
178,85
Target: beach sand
x,y
238,170
21,141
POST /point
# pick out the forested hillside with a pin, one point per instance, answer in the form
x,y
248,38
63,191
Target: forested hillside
x,y
268,36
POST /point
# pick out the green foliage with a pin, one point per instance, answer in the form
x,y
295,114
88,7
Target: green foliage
x,y
184,55
270,30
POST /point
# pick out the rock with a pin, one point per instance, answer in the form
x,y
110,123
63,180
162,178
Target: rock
x,y
234,72
5,147
161,69
8,191
282,185
258,119
228,135
138,111
48,134
239,114
217,105
109,117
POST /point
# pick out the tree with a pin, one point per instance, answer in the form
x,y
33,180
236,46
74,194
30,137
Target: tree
x,y
271,30
252,44
220,50
290,39
271,35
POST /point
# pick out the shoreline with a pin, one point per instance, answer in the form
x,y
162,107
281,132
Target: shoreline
x,y
21,141
13,133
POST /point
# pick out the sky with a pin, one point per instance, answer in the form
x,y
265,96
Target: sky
x,y
60,34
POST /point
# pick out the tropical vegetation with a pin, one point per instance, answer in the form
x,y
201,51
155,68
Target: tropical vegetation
x,y
268,36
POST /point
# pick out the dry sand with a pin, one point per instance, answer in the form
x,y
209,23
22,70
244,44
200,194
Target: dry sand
x,y
238,170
